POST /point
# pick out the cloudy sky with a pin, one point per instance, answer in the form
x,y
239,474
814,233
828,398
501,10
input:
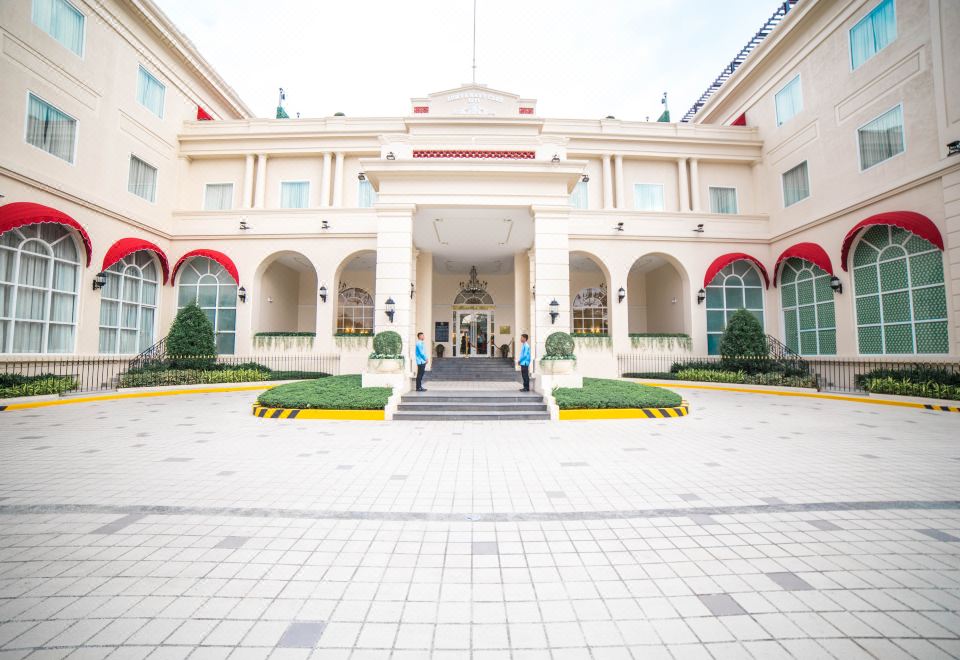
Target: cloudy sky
x,y
578,59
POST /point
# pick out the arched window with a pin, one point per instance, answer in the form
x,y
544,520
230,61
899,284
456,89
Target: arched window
x,y
468,297
736,286
899,292
128,304
590,312
205,281
809,321
355,312
39,276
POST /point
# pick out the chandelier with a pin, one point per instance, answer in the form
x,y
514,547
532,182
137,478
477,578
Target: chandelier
x,y
473,285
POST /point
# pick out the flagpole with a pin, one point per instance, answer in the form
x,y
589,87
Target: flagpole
x,y
474,67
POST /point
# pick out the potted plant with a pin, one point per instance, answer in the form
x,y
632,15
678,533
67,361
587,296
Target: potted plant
x,y
440,349
504,350
559,359
386,357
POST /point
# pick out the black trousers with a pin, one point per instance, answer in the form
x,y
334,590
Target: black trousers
x,y
420,369
525,373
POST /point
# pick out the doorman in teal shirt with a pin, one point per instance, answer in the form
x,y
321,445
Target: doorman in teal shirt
x,y
524,362
421,361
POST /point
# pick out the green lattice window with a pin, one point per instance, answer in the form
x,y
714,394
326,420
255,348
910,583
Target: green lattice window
x,y
809,321
900,297
737,286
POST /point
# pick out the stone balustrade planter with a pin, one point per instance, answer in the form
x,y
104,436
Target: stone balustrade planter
x,y
385,365
557,367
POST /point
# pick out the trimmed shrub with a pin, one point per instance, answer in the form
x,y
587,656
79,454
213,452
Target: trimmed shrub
x,y
744,378
559,346
16,385
913,374
743,336
285,334
190,342
387,344
905,387
606,393
661,375
334,393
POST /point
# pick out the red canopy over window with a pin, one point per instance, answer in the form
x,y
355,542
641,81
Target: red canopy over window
x,y
127,246
808,252
19,214
219,257
919,224
725,260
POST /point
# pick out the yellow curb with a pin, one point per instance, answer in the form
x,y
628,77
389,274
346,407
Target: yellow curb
x,y
626,413
316,413
130,395
811,395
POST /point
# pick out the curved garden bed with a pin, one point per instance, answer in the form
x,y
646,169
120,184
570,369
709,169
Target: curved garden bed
x,y
332,393
602,393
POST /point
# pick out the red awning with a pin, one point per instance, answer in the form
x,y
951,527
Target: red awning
x,y
919,224
20,214
127,246
725,260
219,257
808,252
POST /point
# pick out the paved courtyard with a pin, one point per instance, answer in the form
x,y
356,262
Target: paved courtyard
x,y
757,527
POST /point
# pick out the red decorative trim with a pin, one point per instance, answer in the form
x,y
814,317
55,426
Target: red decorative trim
x,y
421,109
526,111
20,214
127,246
920,225
740,121
203,115
811,252
472,153
219,257
725,260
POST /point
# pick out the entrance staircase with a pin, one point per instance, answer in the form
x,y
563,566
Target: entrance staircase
x,y
473,369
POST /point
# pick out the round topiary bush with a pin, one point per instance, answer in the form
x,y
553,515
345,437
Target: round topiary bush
x,y
743,337
190,342
559,346
387,344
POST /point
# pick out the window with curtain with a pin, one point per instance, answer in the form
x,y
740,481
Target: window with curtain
x,y
128,304
39,280
50,129
62,21
150,92
648,196
578,198
294,194
218,197
354,312
809,321
366,195
881,138
789,100
723,200
899,292
590,312
873,33
796,184
737,286
142,180
205,281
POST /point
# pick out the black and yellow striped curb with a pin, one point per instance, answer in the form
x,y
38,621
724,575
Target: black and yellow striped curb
x,y
129,395
626,413
316,413
930,406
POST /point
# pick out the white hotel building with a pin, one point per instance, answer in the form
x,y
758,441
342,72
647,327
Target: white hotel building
x,y
823,155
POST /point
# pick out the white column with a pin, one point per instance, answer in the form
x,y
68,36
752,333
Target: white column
x,y
521,297
683,187
246,201
618,169
325,180
619,311
552,273
395,269
338,181
607,183
261,189
423,302
694,186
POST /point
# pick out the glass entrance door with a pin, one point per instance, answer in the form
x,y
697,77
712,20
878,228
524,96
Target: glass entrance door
x,y
473,336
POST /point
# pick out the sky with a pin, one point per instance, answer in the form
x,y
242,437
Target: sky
x,y
585,59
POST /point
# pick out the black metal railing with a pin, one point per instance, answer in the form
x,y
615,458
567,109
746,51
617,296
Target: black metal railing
x,y
156,352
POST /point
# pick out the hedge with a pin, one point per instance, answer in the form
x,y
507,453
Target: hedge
x,y
16,385
913,374
906,387
743,378
159,373
334,393
605,393
285,334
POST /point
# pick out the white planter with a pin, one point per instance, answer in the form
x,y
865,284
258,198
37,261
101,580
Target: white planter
x,y
281,345
557,367
385,365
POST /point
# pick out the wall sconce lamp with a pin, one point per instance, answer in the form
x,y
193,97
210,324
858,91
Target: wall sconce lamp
x,y
324,224
699,228
554,311
701,296
362,176
242,294
390,156
243,225
391,309
99,280
619,226
411,290
585,178
621,294
953,148
836,285
323,292
555,160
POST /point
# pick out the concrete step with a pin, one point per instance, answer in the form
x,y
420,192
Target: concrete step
x,y
455,396
461,416
425,406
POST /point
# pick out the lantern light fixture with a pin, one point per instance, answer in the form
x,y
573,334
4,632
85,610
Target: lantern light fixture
x,y
390,156
953,148
412,289
585,178
701,296
836,285
243,225
391,308
242,294
556,159
621,294
554,311
99,280
362,176
323,292
324,224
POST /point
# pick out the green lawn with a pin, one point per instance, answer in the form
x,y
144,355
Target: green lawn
x,y
603,393
333,393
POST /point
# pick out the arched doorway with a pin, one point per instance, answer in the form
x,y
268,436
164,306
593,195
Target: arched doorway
x,y
473,319
286,298
657,295
589,296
